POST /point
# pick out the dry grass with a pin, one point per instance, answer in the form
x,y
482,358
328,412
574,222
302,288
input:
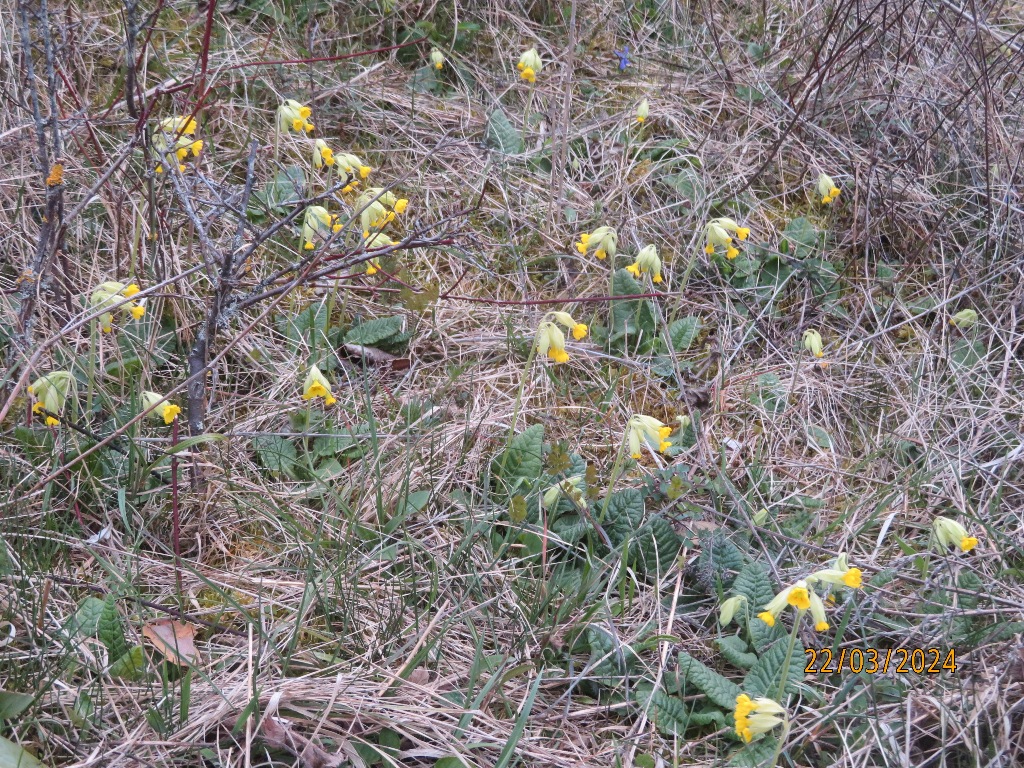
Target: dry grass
x,y
430,626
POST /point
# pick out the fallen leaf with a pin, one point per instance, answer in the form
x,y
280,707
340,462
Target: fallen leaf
x,y
175,640
370,355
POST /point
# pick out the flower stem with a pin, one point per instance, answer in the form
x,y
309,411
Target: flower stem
x,y
779,744
789,656
175,515
91,371
616,470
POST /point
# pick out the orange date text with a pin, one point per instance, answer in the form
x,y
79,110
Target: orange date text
x,y
879,661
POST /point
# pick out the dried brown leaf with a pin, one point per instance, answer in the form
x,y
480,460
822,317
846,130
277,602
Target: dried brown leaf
x,y
174,640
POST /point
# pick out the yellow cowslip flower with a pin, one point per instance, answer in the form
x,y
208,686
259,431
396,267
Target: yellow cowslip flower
x,y
352,166
841,574
322,155
178,126
164,409
530,65
293,116
949,533
718,237
317,222
965,318
728,609
579,330
177,135
373,242
603,240
827,189
646,261
797,595
756,716
379,208
50,392
731,226
817,612
647,429
550,340
643,111
317,385
112,294
813,343
436,58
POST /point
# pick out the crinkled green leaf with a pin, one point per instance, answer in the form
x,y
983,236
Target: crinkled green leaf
x,y
719,556
86,619
764,677
655,546
374,331
756,754
802,237
684,332
110,631
502,135
736,651
523,460
624,516
718,689
130,666
275,453
669,714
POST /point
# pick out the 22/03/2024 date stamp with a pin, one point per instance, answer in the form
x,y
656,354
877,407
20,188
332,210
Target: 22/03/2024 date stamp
x,y
878,661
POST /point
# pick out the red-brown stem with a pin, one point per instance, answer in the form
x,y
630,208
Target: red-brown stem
x,y
175,519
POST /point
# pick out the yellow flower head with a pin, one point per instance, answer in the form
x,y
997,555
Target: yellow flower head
x,y
647,261
50,392
842,574
949,533
813,343
176,135
530,65
643,111
603,241
550,341
352,166
646,429
163,410
317,385
322,155
318,223
797,595
373,242
379,208
716,237
178,126
827,189
579,330
293,116
112,295
436,58
754,717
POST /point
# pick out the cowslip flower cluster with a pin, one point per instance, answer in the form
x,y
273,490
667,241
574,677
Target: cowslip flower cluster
x,y
648,429
379,208
373,242
550,340
754,717
436,58
802,596
317,385
827,189
530,65
49,393
322,155
318,223
112,294
813,343
294,117
717,234
949,533
643,111
647,261
177,134
603,240
162,409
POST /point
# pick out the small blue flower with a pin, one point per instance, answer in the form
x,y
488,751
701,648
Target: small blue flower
x,y
623,57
